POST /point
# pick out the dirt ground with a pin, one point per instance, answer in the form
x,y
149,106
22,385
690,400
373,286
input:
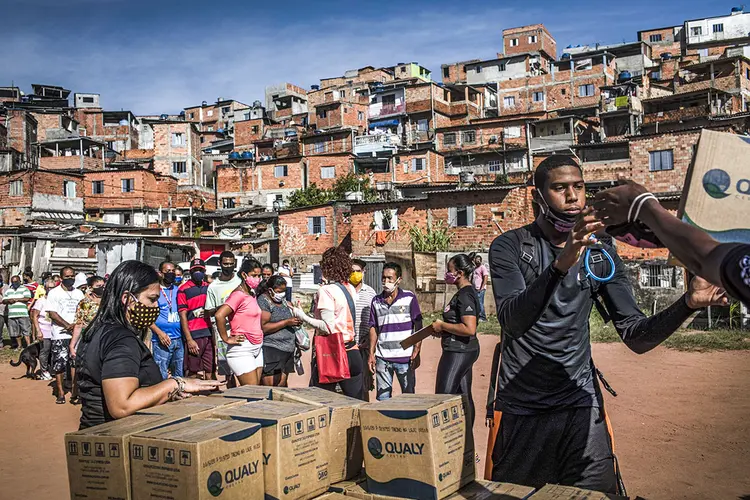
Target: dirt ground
x,y
681,423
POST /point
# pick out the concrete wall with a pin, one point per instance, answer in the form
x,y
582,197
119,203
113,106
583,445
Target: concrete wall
x,y
491,70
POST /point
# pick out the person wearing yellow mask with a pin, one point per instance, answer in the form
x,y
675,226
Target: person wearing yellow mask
x,y
362,303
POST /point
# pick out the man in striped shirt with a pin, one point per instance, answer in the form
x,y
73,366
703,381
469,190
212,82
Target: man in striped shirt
x,y
394,315
16,298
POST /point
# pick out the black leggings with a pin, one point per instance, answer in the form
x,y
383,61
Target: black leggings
x,y
353,386
454,375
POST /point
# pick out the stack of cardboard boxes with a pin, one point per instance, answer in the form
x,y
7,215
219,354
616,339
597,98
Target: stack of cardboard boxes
x,y
287,444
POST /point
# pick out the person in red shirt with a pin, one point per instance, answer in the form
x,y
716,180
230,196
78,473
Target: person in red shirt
x,y
196,324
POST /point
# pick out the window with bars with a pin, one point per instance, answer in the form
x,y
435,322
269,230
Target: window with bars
x,y
586,90
468,137
97,187
449,139
495,166
280,171
178,139
16,188
509,101
461,216
227,202
179,167
69,189
538,96
660,160
316,225
718,28
654,38
386,220
658,276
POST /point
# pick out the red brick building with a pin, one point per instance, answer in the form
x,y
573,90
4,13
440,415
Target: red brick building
x,y
35,195
305,233
216,117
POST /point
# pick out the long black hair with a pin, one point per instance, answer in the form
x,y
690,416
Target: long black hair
x,y
464,263
269,284
130,276
248,264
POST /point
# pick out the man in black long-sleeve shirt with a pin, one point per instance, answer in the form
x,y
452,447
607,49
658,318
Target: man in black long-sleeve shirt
x,y
552,428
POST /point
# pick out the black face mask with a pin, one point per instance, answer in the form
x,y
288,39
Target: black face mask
x,y
227,270
197,277
169,278
635,234
69,282
98,291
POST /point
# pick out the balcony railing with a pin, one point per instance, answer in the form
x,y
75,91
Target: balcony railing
x,y
377,143
386,109
551,143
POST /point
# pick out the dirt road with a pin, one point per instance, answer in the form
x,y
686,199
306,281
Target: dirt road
x,y
681,421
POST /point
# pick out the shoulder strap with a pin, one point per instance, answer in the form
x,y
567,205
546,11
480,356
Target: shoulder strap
x,y
531,258
349,301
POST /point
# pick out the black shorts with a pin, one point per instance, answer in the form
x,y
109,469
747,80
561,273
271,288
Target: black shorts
x,y
276,361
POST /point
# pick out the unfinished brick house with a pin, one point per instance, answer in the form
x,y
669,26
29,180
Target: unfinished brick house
x,y
35,195
218,117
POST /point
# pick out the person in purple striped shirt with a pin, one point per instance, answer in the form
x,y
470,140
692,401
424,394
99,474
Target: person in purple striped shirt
x,y
394,315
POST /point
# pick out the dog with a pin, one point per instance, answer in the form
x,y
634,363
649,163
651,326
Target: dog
x,y
29,356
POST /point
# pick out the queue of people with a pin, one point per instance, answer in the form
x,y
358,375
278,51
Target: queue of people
x,y
549,423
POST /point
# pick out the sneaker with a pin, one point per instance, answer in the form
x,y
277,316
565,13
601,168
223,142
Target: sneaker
x,y
60,400
46,376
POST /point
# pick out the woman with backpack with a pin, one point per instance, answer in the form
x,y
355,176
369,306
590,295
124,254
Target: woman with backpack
x,y
334,322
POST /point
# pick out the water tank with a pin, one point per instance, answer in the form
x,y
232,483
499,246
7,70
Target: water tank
x,y
234,155
624,76
204,103
569,47
219,99
246,155
315,87
565,56
164,116
466,177
665,56
220,131
737,9
182,113
124,122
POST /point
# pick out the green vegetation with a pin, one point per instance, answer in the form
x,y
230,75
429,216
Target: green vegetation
x,y
433,239
313,195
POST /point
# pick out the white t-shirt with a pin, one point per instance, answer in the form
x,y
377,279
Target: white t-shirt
x,y
45,324
286,273
64,303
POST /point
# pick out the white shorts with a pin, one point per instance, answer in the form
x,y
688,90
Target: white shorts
x,y
245,357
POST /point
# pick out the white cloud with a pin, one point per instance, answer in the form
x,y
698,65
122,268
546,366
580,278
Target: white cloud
x,y
151,73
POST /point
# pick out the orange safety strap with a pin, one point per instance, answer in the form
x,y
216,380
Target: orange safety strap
x,y
491,438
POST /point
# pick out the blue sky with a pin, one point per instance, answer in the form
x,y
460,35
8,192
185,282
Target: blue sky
x,y
160,56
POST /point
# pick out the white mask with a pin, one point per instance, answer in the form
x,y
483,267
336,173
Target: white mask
x,y
389,287
278,297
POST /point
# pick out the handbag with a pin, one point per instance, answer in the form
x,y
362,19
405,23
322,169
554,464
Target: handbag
x,y
301,337
330,352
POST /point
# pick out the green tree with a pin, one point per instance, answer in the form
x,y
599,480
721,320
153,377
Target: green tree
x,y
310,196
313,195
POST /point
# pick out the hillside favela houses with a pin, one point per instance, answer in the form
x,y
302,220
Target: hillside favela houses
x,y
398,163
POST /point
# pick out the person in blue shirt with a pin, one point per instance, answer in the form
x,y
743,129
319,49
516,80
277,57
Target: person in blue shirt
x,y
168,348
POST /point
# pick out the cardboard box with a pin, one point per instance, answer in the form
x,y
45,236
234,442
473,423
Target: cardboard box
x,y
359,492
246,392
198,460
98,459
342,486
716,195
417,444
332,496
490,490
346,456
557,492
191,406
295,446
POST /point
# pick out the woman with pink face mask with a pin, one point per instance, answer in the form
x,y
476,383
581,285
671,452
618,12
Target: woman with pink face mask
x,y
458,330
245,344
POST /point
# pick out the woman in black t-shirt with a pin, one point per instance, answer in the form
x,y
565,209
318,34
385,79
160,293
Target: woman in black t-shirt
x,y
117,375
458,330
